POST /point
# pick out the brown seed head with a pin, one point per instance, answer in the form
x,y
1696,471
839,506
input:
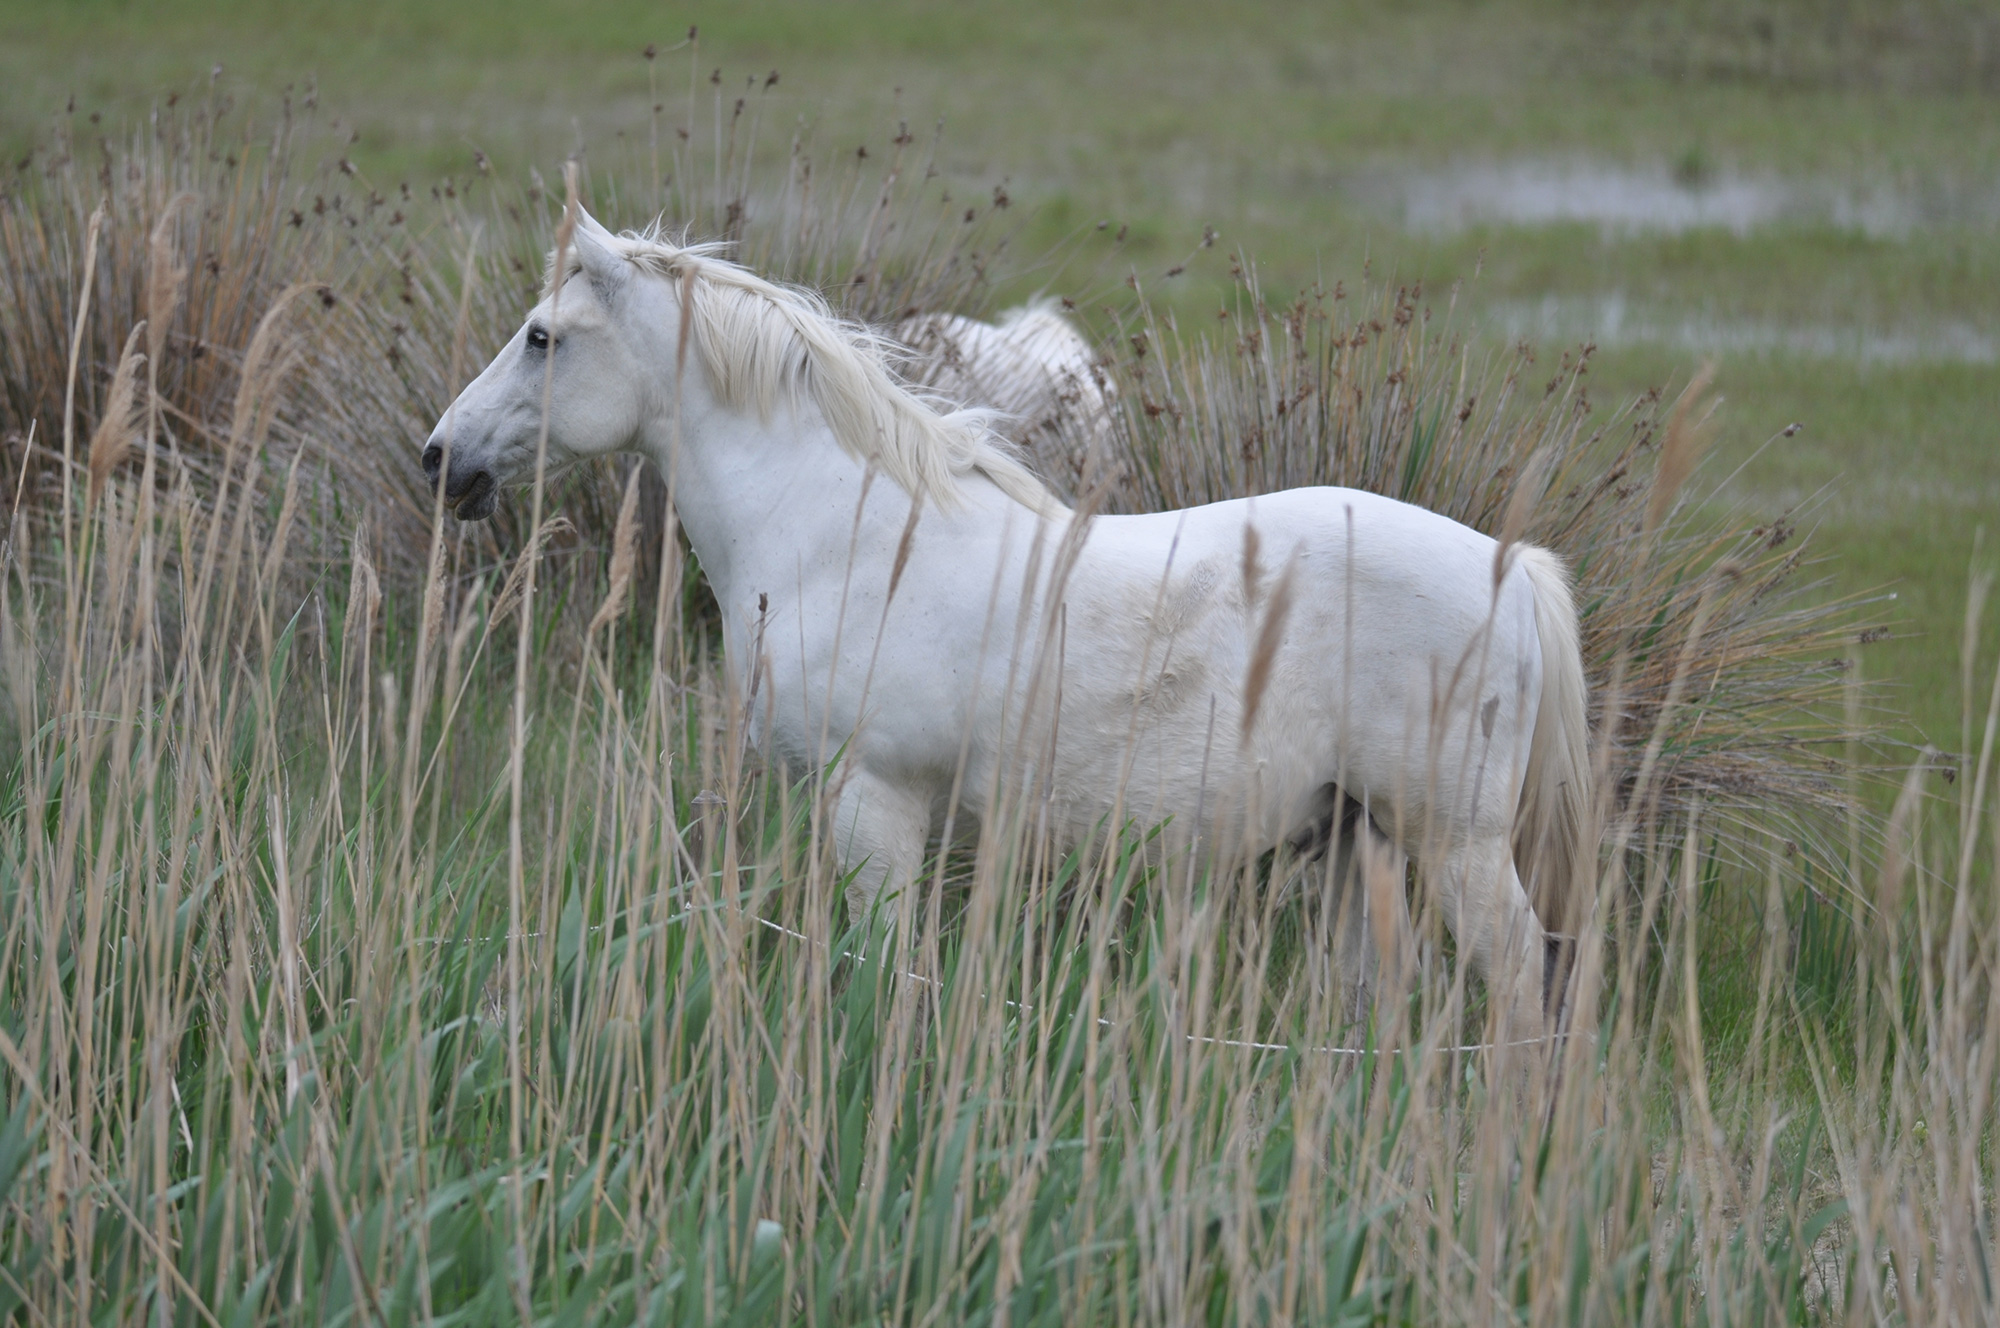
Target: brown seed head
x,y
273,352
1520,507
111,442
1681,449
1265,656
624,550
164,276
1252,572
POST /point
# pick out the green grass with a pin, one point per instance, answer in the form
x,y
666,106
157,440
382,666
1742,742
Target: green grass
x,y
1891,475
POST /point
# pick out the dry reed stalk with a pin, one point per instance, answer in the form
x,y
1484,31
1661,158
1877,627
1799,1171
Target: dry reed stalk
x,y
1521,504
95,229
624,551
1270,634
1680,449
111,440
164,280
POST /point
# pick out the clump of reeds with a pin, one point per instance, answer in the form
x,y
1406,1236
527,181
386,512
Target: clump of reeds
x,y
414,290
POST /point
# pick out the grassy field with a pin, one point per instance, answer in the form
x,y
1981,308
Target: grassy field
x,y
1291,131
329,995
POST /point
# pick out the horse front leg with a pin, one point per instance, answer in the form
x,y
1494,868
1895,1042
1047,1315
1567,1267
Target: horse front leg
x,y
879,829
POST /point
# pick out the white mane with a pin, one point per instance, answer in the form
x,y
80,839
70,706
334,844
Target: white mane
x,y
766,345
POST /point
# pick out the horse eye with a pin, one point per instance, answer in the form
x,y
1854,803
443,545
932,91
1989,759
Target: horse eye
x,y
538,338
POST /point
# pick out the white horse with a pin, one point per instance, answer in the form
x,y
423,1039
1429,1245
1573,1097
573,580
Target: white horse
x,y
909,597
1030,364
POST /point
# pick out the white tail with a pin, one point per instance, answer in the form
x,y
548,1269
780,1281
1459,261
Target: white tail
x,y
1555,864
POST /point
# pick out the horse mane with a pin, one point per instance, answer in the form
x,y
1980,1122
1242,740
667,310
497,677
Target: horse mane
x,y
767,345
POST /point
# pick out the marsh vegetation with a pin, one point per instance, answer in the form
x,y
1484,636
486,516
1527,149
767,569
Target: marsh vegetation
x,y
391,933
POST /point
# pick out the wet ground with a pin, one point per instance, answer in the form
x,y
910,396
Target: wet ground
x,y
1684,195
1615,320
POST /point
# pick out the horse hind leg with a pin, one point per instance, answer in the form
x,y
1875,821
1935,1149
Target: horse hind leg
x,y
1484,904
1370,930
879,830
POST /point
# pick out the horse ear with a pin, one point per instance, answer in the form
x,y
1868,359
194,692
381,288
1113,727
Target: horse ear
x,y
605,270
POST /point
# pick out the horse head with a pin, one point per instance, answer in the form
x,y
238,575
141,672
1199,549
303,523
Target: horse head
x,y
572,369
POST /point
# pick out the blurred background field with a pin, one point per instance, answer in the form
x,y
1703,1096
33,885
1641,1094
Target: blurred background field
x,y
1808,194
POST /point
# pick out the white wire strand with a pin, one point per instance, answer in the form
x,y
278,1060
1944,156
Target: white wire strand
x,y
1460,1049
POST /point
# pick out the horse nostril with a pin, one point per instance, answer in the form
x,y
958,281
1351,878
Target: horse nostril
x,y
433,459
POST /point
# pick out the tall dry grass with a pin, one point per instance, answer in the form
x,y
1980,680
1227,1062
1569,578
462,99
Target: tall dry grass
x,y
413,290
289,1038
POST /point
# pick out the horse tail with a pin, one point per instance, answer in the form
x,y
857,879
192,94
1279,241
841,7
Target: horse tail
x,y
1555,863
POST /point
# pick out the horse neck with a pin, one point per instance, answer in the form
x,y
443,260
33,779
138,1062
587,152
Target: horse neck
x,y
761,498
768,502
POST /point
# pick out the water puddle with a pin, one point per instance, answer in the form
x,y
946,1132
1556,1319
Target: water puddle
x,y
1665,198
1610,321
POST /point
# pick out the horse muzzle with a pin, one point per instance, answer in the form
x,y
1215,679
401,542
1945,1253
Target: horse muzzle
x,y
471,494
